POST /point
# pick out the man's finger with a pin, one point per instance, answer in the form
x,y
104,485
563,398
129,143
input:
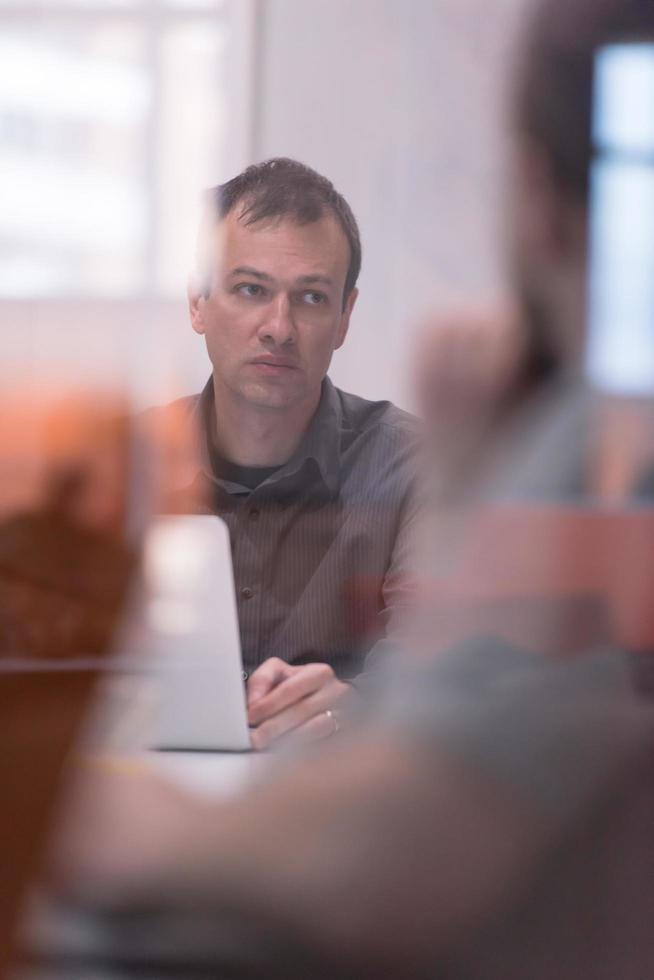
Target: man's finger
x,y
304,681
320,726
295,718
266,677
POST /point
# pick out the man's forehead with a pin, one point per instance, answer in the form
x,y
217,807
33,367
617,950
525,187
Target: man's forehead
x,y
314,248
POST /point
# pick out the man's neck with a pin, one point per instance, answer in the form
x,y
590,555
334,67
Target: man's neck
x,y
251,435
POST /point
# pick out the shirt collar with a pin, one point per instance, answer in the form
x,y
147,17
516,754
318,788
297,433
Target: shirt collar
x,y
320,443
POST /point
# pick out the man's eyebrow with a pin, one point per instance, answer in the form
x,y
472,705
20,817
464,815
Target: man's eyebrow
x,y
310,280
246,270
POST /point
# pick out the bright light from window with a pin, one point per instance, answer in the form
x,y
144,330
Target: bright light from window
x,y
110,126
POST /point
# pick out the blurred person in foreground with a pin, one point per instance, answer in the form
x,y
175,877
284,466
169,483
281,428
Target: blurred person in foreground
x,y
315,485
495,817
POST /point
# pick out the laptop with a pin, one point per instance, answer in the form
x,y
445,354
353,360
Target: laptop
x,y
193,637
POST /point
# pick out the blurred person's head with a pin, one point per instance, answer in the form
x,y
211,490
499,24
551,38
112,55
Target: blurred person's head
x,y
550,186
278,261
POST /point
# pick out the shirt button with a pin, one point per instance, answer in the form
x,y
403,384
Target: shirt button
x,y
247,592
254,514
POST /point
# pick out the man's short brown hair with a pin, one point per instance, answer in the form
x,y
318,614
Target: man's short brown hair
x,y
283,188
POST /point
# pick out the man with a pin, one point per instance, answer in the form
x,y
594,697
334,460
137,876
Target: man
x,y
315,485
496,819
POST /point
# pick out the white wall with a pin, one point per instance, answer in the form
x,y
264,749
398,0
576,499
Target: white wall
x,y
401,103
145,345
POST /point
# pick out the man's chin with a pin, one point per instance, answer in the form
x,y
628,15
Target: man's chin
x,y
270,396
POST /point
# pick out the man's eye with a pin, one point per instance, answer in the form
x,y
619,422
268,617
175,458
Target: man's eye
x,y
251,290
313,299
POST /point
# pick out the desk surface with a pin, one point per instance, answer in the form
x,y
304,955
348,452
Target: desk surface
x,y
213,774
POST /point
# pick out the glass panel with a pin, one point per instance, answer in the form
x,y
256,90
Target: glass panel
x,y
74,101
109,130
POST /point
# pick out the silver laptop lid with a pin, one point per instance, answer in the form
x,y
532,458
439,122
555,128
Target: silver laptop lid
x,y
194,635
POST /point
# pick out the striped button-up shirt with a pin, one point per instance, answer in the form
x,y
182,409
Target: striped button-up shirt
x,y
322,547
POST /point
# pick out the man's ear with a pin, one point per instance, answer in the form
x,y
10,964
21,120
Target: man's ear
x,y
345,319
196,301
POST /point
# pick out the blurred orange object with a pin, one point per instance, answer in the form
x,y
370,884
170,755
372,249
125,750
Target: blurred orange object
x,y
67,555
554,579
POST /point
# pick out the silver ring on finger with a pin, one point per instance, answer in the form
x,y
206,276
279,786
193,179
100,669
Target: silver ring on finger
x,y
334,721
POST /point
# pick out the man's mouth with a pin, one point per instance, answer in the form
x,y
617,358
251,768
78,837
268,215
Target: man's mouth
x,y
271,362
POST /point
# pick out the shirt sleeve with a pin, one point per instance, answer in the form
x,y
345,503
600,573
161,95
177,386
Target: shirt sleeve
x,y
400,594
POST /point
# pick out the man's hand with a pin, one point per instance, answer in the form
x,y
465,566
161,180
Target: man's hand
x,y
307,701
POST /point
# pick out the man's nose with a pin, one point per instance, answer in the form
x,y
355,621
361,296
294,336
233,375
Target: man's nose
x,y
278,327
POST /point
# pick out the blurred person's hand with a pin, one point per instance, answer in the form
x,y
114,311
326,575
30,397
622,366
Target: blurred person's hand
x,y
307,702
115,826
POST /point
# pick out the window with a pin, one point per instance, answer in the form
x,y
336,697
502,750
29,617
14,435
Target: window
x,y
113,116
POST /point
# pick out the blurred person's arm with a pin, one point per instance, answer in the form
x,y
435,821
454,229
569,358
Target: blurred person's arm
x,y
385,851
380,852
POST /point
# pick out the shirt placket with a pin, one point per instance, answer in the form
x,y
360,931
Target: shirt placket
x,y
251,549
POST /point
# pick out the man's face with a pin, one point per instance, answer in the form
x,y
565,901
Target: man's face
x,y
274,314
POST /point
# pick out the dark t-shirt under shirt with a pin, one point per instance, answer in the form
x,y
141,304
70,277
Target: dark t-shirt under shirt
x,y
246,476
